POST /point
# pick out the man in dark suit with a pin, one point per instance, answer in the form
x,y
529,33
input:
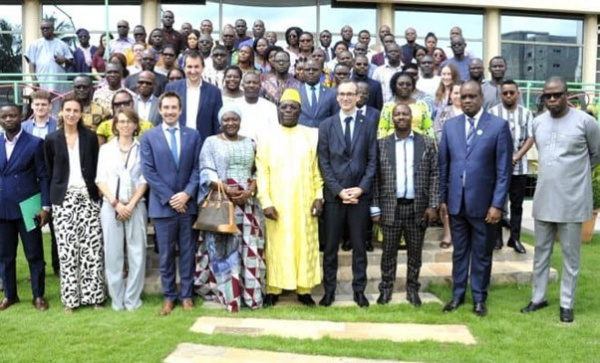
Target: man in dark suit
x,y
475,169
170,166
149,59
318,102
360,74
22,175
347,152
405,199
363,90
146,103
201,100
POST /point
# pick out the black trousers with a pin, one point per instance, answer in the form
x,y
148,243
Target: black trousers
x,y
516,195
354,217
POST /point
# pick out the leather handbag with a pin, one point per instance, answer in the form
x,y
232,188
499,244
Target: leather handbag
x,y
216,213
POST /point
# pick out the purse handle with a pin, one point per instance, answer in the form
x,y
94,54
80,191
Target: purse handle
x,y
220,193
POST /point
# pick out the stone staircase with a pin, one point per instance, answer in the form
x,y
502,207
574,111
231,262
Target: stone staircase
x,y
508,267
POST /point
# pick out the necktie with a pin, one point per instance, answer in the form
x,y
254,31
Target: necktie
x,y
313,100
348,134
174,152
471,134
359,113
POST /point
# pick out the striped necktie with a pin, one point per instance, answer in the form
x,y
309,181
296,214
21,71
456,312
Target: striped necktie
x,y
471,134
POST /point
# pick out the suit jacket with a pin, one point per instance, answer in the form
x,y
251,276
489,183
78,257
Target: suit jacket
x,y
341,169
160,82
79,64
426,177
153,116
327,106
57,162
487,166
378,59
372,114
23,175
376,95
28,125
164,177
207,120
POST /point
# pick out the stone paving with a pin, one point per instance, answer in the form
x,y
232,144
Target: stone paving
x,y
198,353
312,329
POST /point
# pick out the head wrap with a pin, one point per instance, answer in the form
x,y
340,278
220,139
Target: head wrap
x,y
290,94
230,107
82,31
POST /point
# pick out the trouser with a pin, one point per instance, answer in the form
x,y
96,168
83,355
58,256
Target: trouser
x,y
516,194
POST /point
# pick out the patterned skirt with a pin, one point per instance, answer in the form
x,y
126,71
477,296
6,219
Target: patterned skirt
x,y
79,240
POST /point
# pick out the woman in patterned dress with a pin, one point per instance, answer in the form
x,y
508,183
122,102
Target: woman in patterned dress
x,y
71,157
230,269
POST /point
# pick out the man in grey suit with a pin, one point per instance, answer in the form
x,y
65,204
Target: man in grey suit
x,y
146,104
318,102
406,196
568,144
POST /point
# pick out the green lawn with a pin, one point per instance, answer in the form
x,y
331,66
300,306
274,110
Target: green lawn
x,y
505,335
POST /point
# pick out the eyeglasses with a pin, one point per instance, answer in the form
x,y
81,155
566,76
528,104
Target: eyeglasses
x,y
555,95
509,93
175,78
121,104
346,94
125,122
46,27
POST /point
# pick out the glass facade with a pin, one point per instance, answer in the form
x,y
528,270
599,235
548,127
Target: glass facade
x,y
537,47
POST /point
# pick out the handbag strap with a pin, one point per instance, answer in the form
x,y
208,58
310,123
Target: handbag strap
x,y
126,163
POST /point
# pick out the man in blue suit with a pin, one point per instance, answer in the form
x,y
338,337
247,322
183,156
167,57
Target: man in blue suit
x,y
475,162
22,175
318,102
170,165
347,151
201,100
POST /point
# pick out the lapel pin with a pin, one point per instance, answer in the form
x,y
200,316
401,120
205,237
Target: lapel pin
x,y
479,132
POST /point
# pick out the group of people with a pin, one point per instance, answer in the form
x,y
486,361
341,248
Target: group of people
x,y
312,144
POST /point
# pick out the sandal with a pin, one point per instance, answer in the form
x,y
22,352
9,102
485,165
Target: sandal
x,y
445,245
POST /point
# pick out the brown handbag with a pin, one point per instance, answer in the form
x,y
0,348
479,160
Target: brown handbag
x,y
216,215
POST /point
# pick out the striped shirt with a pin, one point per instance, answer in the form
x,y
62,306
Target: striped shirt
x,y
520,123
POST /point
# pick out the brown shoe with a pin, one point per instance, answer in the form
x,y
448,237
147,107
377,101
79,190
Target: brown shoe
x,y
40,304
187,304
6,303
168,306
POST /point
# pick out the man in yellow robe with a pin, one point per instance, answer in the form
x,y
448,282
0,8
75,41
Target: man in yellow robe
x,y
290,190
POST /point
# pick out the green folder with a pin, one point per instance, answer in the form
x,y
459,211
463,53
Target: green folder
x,y
29,208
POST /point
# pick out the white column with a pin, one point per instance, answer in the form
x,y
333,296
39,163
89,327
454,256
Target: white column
x,y
491,35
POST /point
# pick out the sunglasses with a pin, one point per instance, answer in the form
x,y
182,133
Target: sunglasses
x,y
509,93
121,104
555,95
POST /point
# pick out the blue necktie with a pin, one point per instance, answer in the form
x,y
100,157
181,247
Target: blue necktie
x,y
174,152
348,134
471,134
313,100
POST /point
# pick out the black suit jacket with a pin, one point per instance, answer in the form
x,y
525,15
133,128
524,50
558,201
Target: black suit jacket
x,y
341,170
159,83
57,162
376,95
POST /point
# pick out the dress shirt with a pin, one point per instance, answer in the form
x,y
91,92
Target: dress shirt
x,y
343,123
405,159
40,131
383,74
76,179
167,133
192,103
120,45
10,145
309,92
143,107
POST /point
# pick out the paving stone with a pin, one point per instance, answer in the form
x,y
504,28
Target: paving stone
x,y
198,353
303,329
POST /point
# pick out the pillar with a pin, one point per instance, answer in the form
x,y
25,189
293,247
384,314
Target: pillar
x,y
491,35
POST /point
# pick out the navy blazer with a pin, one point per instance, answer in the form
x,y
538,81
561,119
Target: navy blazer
x,y
327,106
154,116
376,95
23,175
160,81
79,64
164,177
341,170
487,167
28,125
373,114
207,120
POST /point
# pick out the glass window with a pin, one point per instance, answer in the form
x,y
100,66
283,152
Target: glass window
x,y
439,22
536,48
11,40
333,19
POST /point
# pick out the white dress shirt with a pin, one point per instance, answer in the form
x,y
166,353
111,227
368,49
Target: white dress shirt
x,y
405,159
10,145
192,103
167,133
343,117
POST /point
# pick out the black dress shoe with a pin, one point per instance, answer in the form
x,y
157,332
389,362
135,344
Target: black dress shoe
x,y
5,303
346,246
499,243
534,306
384,297
270,300
453,305
505,223
327,300
479,309
413,298
361,299
306,300
516,245
370,247
566,315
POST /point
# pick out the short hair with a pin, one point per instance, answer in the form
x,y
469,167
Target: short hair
x,y
233,68
175,70
394,80
325,31
475,83
41,95
341,42
363,83
131,114
339,65
11,105
509,82
409,66
170,46
364,31
168,94
193,54
497,57
557,79
219,47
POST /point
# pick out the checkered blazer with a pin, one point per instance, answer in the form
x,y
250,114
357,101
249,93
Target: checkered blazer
x,y
426,178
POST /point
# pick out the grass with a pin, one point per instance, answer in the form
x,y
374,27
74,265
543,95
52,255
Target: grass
x,y
504,335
